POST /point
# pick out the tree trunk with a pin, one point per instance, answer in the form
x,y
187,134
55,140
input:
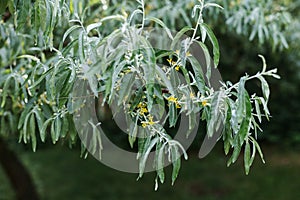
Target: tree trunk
x,y
17,174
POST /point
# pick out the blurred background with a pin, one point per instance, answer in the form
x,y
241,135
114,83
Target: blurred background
x,y
244,29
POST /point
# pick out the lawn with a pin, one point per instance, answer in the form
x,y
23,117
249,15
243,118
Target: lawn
x,y
60,173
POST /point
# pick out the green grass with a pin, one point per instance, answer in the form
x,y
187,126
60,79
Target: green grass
x,y
60,173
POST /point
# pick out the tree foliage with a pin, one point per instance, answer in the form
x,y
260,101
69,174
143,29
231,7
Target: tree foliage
x,y
46,45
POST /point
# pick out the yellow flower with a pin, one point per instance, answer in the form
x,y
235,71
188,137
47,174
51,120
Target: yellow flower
x,y
178,105
89,62
127,71
188,54
143,111
170,61
144,124
142,108
204,103
141,105
147,123
151,122
177,68
192,95
172,99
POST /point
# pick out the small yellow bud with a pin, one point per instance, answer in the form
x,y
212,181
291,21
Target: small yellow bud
x,y
170,61
89,62
144,124
188,54
192,95
127,71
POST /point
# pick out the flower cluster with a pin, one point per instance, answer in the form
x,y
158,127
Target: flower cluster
x,y
142,108
148,122
173,64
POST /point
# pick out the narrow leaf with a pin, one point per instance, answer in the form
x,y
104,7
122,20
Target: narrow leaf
x,y
158,21
32,132
214,41
69,31
265,88
145,155
176,163
247,159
